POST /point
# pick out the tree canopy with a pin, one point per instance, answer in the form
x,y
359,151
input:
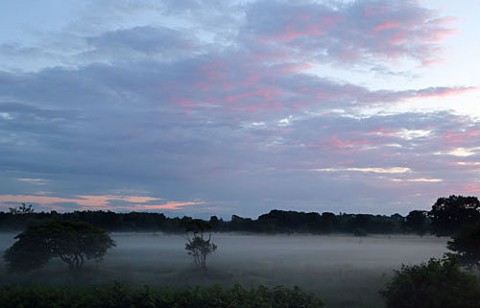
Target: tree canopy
x,y
71,241
450,214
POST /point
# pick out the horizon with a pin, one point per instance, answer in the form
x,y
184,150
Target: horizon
x,y
208,215
236,108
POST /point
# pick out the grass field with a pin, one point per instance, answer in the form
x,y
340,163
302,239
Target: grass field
x,y
345,271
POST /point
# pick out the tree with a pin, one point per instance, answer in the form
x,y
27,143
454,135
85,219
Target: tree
x,y
71,241
466,246
435,284
198,246
23,209
416,221
450,214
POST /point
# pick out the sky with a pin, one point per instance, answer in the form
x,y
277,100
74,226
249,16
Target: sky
x,y
238,107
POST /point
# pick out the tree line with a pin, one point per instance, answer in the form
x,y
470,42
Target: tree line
x,y
446,217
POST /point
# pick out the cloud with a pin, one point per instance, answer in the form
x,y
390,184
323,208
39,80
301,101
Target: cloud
x,y
419,180
462,152
140,44
226,103
392,170
40,182
105,202
352,31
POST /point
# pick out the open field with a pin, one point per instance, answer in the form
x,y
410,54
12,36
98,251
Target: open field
x,y
345,271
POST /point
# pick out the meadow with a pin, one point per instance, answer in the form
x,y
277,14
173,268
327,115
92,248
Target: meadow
x,y
346,271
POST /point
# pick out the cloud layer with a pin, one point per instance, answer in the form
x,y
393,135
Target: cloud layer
x,y
233,108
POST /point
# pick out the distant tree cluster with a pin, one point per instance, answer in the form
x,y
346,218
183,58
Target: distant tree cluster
x,y
447,217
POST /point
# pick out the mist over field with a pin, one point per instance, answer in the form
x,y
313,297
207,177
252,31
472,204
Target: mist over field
x,y
344,270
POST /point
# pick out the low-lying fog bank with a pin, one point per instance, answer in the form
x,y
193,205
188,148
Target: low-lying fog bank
x,y
345,270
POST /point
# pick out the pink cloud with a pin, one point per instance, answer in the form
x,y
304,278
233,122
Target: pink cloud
x,y
214,70
460,138
359,30
470,189
371,10
442,34
304,25
444,91
387,25
293,68
339,143
383,132
101,202
164,206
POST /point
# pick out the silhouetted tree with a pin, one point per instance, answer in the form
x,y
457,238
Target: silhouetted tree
x,y
198,245
71,241
466,245
289,222
450,214
416,221
327,222
23,209
215,223
238,223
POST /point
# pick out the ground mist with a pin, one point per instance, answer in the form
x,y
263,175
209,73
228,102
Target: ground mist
x,y
346,271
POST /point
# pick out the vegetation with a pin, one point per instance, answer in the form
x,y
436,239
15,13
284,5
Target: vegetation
x,y
360,232
450,215
197,245
435,284
447,217
79,236
23,209
466,246
276,221
71,241
119,295
417,222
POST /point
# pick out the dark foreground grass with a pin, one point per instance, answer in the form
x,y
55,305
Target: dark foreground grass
x,y
340,287
120,295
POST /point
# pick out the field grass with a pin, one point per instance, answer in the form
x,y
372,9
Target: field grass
x,y
345,271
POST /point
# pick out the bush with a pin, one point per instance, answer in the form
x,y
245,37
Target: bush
x,y
435,284
119,295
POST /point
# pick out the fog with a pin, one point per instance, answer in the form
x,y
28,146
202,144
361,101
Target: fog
x,y
345,271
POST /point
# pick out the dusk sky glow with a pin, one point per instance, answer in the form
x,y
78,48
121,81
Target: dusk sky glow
x,y
206,108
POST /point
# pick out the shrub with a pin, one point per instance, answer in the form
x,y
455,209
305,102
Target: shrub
x,y
435,284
